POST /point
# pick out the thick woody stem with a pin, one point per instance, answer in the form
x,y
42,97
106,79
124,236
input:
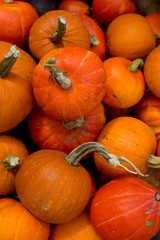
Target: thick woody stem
x,y
138,63
157,196
60,31
8,1
71,124
9,60
56,73
93,40
11,162
78,153
153,161
157,36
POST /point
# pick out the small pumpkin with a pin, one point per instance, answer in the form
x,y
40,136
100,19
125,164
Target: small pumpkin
x,y
126,207
154,20
16,18
75,6
130,138
76,229
130,36
57,29
22,224
64,135
125,85
69,82
16,93
97,36
151,71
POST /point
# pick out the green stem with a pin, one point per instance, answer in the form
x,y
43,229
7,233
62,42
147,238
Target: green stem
x,y
78,153
7,63
93,40
153,161
71,124
138,63
56,73
60,31
11,162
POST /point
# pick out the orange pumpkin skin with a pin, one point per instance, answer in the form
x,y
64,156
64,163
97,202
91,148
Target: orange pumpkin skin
x,y
16,20
105,11
151,71
52,189
75,229
125,207
17,99
154,20
49,133
148,110
22,224
130,36
128,137
124,88
87,75
75,7
76,33
13,146
94,28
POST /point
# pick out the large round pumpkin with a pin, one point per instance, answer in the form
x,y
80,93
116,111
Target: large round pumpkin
x,y
130,138
18,223
126,208
69,82
130,36
16,94
13,153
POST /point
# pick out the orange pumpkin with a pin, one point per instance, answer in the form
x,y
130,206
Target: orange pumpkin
x,y
154,20
97,36
21,223
128,137
50,133
57,29
13,153
16,94
75,6
68,83
125,83
130,36
76,229
16,18
151,71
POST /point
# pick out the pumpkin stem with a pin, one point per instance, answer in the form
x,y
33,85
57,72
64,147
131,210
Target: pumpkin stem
x,y
9,60
157,196
56,73
71,124
75,156
93,40
11,162
153,161
8,1
157,36
60,31
137,63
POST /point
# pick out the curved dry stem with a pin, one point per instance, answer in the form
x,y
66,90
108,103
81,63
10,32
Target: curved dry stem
x,y
153,161
60,31
71,124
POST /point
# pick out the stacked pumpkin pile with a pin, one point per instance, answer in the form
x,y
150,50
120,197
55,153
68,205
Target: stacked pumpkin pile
x,y
84,86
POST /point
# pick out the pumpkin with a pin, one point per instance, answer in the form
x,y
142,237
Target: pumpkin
x,y
151,71
97,36
130,138
16,18
126,207
75,7
64,135
69,82
105,11
130,36
154,20
125,84
22,224
57,29
17,99
76,229
148,110
13,153
54,186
